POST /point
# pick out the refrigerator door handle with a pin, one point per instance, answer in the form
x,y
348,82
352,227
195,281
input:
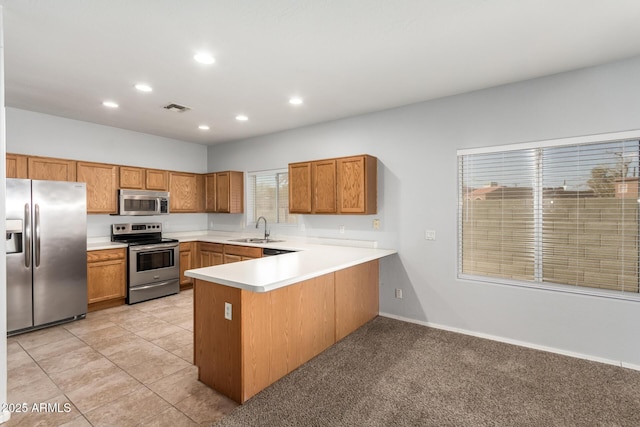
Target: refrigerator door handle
x,y
36,233
27,236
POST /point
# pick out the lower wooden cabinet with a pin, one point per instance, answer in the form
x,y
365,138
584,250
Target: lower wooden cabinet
x,y
106,278
186,263
210,254
235,253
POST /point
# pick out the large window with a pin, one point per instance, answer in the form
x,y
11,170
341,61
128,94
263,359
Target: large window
x,y
268,196
562,214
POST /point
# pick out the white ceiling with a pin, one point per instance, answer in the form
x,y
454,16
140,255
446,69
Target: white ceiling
x,y
344,57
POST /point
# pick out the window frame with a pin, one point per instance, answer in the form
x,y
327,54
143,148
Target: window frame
x,y
554,287
250,204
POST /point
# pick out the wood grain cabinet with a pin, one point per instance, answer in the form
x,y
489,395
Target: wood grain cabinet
x,y
16,166
224,192
187,192
102,186
186,263
106,278
48,168
357,185
345,185
144,179
210,254
236,253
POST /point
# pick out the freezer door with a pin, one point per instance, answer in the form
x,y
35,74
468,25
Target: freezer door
x,y
19,292
59,250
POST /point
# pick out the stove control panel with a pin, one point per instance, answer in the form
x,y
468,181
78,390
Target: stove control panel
x,y
139,228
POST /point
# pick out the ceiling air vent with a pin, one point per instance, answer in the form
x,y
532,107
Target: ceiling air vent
x,y
177,108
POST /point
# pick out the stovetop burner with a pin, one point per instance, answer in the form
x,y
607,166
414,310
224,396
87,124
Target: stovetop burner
x,y
139,234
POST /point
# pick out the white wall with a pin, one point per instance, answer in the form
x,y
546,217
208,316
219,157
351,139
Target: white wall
x,y
416,147
45,135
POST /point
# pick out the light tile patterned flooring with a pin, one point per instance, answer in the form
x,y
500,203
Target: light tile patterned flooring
x,y
124,366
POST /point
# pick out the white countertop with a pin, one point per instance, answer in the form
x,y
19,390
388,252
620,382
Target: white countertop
x,y
313,258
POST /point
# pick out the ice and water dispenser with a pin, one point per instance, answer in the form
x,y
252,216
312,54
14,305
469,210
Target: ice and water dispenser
x,y
14,236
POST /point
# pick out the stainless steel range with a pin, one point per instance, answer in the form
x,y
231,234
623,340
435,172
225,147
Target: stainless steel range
x,y
154,262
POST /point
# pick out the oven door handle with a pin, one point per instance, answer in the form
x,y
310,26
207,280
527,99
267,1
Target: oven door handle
x,y
153,247
155,285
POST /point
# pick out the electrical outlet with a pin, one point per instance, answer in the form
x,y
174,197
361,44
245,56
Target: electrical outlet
x,y
376,224
398,293
429,234
302,227
227,310
342,229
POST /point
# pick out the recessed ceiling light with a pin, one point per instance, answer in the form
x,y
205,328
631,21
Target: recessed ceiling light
x,y
110,104
203,127
242,118
143,87
295,100
204,58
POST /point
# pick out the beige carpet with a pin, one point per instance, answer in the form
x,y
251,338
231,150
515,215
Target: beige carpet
x,y
392,373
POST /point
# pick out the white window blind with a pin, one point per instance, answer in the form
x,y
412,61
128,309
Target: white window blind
x,y
555,215
268,196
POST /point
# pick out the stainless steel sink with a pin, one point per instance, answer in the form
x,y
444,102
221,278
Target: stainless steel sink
x,y
255,240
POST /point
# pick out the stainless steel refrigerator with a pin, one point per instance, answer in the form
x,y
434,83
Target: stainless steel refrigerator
x,y
46,246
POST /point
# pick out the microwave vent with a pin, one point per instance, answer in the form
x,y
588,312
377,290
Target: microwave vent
x,y
176,107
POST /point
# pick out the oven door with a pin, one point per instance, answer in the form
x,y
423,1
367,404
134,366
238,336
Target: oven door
x,y
153,263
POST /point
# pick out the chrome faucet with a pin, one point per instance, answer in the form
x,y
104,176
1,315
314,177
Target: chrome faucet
x,y
266,232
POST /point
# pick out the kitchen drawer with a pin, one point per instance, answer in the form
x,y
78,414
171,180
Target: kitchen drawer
x,y
105,254
211,247
245,251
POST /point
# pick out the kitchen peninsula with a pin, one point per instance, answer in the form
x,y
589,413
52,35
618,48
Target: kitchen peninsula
x,y
260,319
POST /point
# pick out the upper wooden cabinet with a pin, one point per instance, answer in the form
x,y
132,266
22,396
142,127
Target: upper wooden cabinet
x,y
16,166
300,187
156,180
186,192
131,177
357,185
224,192
47,168
345,185
102,186
144,179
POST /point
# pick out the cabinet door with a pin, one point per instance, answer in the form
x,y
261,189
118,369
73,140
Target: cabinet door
x,y
223,199
186,263
106,275
47,168
131,177
157,180
102,186
357,185
16,166
229,258
210,254
300,187
210,192
184,192
324,186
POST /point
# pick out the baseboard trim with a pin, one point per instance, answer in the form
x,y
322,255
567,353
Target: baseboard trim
x,y
516,342
4,416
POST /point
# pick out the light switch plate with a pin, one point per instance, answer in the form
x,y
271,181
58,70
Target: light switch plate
x,y
227,310
430,234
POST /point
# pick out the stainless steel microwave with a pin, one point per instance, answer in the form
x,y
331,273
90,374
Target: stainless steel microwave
x,y
143,202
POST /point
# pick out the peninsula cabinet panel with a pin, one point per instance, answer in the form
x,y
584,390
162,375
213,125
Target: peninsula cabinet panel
x,y
47,168
16,166
131,177
156,180
357,297
300,187
106,278
324,186
183,188
229,197
357,185
102,186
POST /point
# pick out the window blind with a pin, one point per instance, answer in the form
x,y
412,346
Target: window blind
x,y
560,215
268,196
